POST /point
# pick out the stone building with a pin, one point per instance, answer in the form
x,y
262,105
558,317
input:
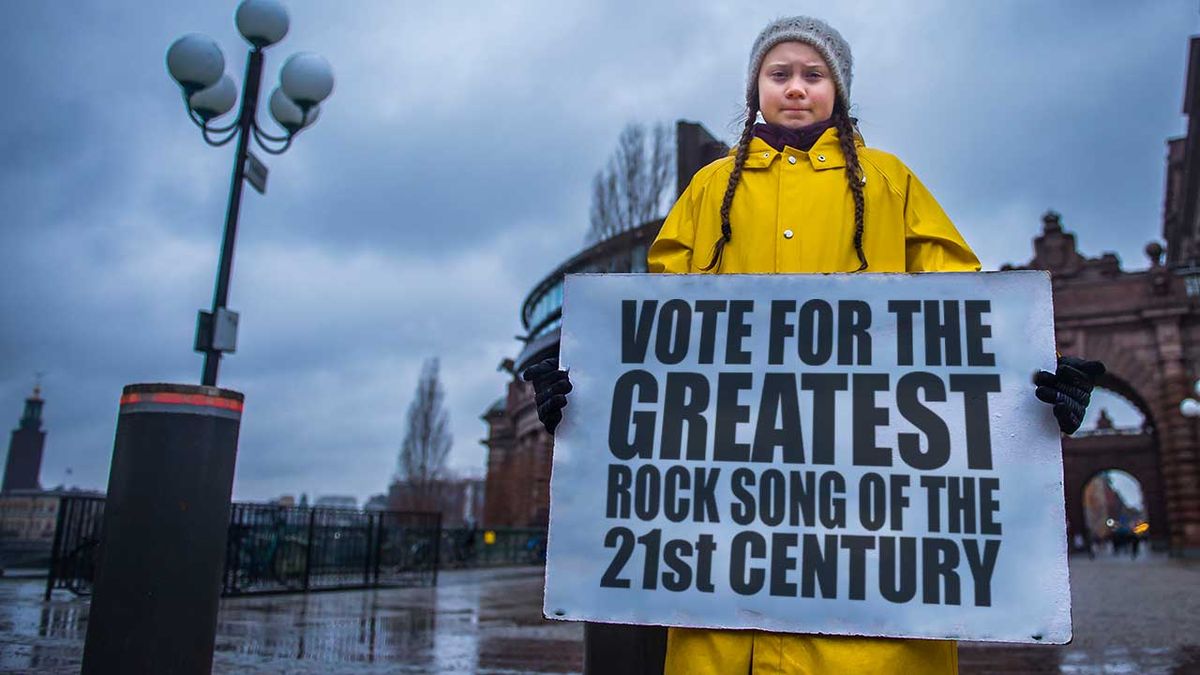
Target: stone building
x,y
28,516
1145,326
27,513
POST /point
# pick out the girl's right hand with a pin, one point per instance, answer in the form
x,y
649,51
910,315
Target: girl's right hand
x,y
550,388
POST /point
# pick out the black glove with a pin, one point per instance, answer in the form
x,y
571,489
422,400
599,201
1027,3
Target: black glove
x,y
1069,389
550,388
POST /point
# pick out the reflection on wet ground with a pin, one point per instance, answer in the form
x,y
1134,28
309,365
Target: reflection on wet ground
x,y
1130,617
1140,617
485,621
1017,660
474,621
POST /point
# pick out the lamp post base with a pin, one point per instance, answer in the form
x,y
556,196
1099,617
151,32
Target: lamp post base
x,y
158,577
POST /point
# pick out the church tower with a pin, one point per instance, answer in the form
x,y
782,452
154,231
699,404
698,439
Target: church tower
x,y
25,449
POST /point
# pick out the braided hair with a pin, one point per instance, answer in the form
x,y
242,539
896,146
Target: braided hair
x,y
854,178
735,176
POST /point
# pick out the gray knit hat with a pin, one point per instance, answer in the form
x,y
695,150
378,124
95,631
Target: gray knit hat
x,y
813,32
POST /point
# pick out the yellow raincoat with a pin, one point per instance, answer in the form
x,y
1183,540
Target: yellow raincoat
x,y
793,213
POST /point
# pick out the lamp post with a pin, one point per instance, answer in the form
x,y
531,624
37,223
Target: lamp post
x,y
158,575
197,64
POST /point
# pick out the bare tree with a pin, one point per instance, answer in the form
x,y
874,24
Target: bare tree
x,y
606,209
427,442
632,187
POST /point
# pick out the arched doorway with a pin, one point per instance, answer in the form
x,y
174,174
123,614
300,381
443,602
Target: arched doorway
x,y
1114,514
1115,453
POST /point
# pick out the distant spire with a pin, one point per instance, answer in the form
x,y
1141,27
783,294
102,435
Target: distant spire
x,y
1051,221
31,418
24,461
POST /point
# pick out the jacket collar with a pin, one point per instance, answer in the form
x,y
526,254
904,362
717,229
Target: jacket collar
x,y
826,153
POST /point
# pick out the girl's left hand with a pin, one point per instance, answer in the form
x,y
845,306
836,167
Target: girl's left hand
x,y
1068,389
550,386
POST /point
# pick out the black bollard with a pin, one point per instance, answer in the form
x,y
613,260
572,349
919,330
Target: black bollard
x,y
158,575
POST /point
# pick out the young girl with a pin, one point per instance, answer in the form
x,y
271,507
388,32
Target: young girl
x,y
801,193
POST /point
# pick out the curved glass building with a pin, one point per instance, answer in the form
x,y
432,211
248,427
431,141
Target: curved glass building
x,y
519,449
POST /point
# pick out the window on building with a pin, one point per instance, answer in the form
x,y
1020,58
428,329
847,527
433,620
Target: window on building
x,y
549,303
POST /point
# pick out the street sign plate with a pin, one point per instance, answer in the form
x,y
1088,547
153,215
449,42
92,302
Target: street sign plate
x,y
256,173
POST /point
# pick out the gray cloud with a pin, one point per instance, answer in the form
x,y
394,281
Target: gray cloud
x,y
451,170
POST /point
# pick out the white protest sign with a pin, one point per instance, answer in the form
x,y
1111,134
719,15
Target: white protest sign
x,y
846,454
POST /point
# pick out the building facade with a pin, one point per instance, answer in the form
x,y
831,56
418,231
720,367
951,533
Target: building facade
x,y
1145,326
28,516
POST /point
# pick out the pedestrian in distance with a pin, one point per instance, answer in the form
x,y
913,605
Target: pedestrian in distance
x,y
802,193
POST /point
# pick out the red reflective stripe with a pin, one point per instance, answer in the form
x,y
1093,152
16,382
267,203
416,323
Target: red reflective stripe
x,y
170,398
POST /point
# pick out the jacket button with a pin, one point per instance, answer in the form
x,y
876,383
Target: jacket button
x,y
820,158
787,234
791,160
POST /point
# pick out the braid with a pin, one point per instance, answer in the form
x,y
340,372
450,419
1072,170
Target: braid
x,y
739,161
854,176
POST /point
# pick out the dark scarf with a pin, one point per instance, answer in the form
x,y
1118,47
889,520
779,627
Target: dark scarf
x,y
803,138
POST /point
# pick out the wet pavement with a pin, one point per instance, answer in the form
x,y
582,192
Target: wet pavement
x,y
1130,616
474,621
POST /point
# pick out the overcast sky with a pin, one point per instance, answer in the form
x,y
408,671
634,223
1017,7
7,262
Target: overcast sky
x,y
450,171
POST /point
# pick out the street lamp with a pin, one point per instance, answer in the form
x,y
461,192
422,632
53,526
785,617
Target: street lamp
x,y
197,64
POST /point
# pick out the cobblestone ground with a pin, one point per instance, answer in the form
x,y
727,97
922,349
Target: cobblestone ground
x,y
1130,616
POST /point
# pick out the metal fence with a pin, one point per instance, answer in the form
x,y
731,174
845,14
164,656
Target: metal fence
x,y
277,549
274,549
474,547
76,544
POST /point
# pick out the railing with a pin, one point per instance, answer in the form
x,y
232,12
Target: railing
x,y
277,549
287,549
474,547
76,545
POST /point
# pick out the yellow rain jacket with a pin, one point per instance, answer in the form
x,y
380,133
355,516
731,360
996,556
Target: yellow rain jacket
x,y
793,213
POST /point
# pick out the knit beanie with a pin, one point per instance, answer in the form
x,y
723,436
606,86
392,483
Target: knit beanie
x,y
813,32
